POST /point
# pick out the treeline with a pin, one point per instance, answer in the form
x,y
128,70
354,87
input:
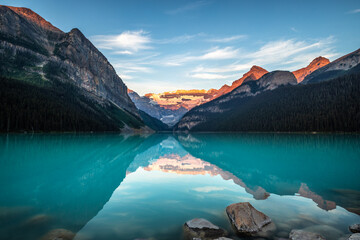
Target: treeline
x,y
327,106
27,107
153,123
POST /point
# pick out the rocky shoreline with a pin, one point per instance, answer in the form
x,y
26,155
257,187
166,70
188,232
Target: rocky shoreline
x,y
247,223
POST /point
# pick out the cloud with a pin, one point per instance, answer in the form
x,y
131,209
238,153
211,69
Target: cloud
x,y
211,54
227,39
127,42
219,53
179,39
208,189
188,7
293,29
125,77
223,69
354,11
282,51
211,76
125,52
288,54
126,68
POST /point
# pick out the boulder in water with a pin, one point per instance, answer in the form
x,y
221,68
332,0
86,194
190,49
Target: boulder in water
x,y
203,229
246,219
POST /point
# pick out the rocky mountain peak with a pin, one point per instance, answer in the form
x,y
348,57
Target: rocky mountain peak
x,y
274,79
255,73
315,64
257,69
33,17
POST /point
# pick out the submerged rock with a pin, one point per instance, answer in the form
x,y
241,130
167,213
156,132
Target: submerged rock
x,y
39,219
59,234
303,235
355,236
203,229
355,228
246,219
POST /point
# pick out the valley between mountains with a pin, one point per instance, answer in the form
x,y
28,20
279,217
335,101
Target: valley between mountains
x,y
51,80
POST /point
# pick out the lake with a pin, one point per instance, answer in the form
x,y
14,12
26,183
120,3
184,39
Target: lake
x,y
109,186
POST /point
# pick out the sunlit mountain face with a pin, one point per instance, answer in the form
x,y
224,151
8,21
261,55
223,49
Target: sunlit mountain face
x,y
189,99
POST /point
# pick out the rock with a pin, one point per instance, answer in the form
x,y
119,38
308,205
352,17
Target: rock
x,y
282,234
39,219
59,234
355,228
303,235
317,63
325,230
355,236
246,219
203,229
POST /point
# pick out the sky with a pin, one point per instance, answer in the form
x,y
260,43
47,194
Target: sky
x,y
158,46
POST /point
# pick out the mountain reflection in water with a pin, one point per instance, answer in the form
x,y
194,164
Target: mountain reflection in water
x,y
128,187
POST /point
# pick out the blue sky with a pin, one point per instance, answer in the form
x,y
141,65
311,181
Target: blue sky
x,y
158,46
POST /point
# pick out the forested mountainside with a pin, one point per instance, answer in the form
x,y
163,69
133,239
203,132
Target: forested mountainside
x,y
326,106
65,74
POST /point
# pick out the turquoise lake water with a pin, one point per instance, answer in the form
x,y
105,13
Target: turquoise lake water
x,y
108,186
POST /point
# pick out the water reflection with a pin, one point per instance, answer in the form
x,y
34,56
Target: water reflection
x,y
129,187
281,163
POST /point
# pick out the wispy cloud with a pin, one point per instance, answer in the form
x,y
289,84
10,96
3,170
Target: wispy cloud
x,y
212,76
219,53
125,52
228,39
215,53
282,51
293,29
354,11
288,54
223,69
125,76
188,7
127,42
179,39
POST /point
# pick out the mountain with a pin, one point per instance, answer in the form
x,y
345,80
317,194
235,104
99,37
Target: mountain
x,y
73,86
340,67
170,107
325,106
168,116
189,99
317,63
250,87
255,73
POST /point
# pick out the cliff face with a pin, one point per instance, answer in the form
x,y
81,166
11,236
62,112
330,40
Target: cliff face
x,y
317,63
58,69
255,73
68,56
181,98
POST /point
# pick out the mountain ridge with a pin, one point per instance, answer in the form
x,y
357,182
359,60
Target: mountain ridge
x,y
315,64
34,17
281,104
40,55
